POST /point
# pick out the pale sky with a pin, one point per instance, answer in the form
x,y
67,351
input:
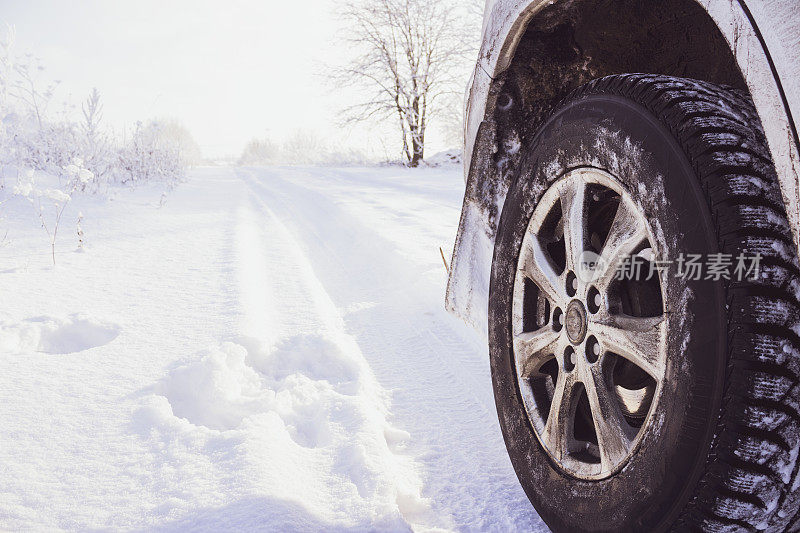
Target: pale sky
x,y
229,71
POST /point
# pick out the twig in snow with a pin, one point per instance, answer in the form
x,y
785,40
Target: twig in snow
x,y
446,268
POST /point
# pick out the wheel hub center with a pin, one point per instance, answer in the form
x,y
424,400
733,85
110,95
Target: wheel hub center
x,y
575,322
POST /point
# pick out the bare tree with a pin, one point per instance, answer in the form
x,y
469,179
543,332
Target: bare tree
x,y
408,57
26,87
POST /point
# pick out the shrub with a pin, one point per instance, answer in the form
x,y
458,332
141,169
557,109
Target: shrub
x,y
148,156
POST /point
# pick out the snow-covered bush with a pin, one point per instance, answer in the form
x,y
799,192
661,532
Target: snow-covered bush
x,y
149,156
301,148
174,134
28,140
54,147
81,153
259,152
49,148
304,148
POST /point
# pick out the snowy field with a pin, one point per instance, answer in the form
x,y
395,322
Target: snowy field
x,y
268,349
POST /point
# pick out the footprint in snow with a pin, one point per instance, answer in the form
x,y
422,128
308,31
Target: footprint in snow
x,y
308,399
317,357
310,381
56,335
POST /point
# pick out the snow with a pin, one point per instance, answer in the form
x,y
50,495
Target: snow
x,y
259,348
56,335
447,157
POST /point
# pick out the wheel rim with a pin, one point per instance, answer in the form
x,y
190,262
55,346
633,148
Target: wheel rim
x,y
589,349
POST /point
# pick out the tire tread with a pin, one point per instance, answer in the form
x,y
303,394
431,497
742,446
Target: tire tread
x,y
750,478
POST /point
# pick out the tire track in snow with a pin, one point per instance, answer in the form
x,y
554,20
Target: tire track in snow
x,y
290,412
306,331
438,377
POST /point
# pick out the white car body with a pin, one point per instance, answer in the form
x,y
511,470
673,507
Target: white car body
x,y
764,40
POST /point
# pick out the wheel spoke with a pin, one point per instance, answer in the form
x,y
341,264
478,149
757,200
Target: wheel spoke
x,y
537,265
625,234
614,435
559,420
634,338
534,348
573,220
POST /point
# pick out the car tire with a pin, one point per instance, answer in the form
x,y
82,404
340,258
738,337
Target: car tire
x,y
710,439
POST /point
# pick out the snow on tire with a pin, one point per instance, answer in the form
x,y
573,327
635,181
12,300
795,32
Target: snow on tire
x,y
661,403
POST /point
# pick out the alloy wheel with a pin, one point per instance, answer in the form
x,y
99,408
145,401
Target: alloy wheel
x,y
589,344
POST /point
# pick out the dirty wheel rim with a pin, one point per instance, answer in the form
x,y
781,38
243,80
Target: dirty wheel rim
x,y
589,347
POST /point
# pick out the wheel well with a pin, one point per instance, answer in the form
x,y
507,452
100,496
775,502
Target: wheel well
x,y
571,42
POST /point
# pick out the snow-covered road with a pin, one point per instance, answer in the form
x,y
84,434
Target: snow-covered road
x,y
268,350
